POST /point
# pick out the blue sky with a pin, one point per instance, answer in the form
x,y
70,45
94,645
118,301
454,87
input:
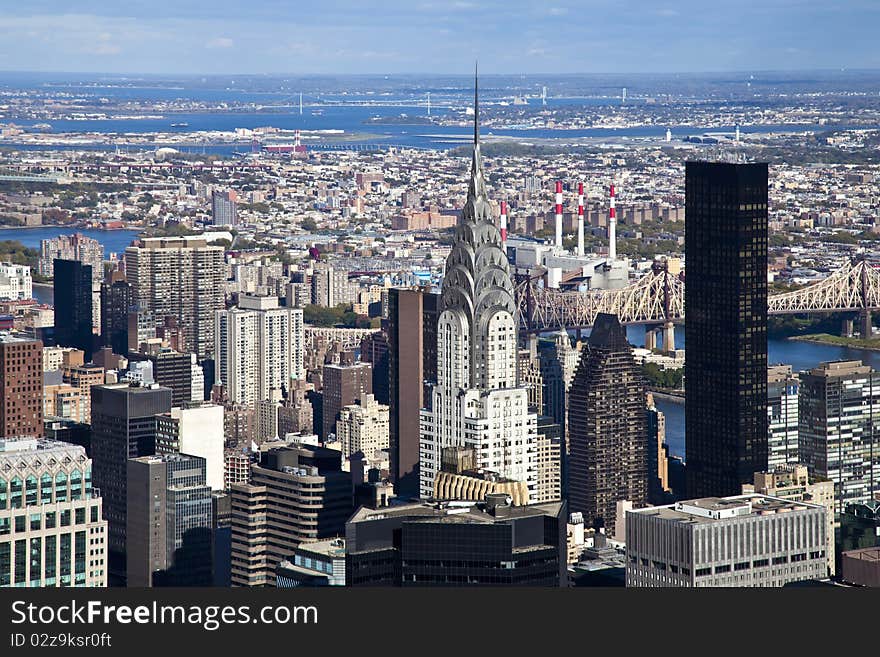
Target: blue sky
x,y
434,36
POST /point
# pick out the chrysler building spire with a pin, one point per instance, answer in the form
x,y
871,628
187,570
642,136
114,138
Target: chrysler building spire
x,y
477,277
477,204
476,402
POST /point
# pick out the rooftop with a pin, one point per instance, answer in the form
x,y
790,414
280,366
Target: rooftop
x,y
864,554
456,512
332,547
713,509
25,447
12,338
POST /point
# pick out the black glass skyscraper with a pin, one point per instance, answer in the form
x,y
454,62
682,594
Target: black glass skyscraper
x,y
73,305
725,325
117,300
123,427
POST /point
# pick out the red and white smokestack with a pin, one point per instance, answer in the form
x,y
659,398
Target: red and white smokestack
x,y
612,228
296,138
503,222
580,228
559,214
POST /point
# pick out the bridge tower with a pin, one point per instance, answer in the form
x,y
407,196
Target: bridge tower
x,y
522,279
865,320
661,268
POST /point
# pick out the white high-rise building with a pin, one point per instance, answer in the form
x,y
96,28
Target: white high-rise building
x,y
363,427
15,282
196,430
198,380
782,416
477,401
259,349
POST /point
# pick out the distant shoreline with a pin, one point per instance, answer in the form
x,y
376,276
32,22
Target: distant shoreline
x,y
838,341
676,399
76,227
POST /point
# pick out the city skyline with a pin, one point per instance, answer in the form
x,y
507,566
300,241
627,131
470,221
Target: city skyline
x,y
283,361
474,309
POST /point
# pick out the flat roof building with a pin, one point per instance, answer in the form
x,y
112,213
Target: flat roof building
x,y
744,540
491,543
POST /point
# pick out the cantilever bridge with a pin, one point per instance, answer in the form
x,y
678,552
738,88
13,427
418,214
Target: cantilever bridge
x,y
658,299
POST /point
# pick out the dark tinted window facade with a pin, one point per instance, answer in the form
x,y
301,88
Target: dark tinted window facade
x,y
725,326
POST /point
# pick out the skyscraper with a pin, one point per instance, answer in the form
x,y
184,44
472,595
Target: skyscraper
x,y
123,427
412,367
83,249
72,247
259,349
363,427
550,446
171,369
343,385
435,545
331,287
742,540
15,281
223,208
838,409
296,495
73,305
726,326
607,427
374,350
117,301
477,401
168,522
782,416
195,429
181,277
51,529
21,387
658,467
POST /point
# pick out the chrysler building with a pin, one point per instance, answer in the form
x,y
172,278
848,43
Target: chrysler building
x,y
477,402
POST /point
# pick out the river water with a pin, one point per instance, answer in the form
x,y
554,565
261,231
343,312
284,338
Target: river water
x,y
114,241
800,355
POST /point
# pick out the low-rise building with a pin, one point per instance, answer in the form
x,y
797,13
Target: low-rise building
x,y
321,563
744,540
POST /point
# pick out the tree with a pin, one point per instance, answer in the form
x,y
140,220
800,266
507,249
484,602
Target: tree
x,y
662,378
842,237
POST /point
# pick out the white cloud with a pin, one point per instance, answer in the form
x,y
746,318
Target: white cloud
x,y
104,49
220,42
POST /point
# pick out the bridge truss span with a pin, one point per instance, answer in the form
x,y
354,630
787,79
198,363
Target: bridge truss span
x,y
855,286
658,298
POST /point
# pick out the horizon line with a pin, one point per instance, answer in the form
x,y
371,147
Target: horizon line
x,y
842,69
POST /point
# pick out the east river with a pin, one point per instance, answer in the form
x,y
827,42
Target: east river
x,y
800,355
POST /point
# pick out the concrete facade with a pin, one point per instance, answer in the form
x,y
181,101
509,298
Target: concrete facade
x,y
739,541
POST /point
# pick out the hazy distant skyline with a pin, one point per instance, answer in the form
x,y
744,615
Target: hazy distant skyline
x,y
430,36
